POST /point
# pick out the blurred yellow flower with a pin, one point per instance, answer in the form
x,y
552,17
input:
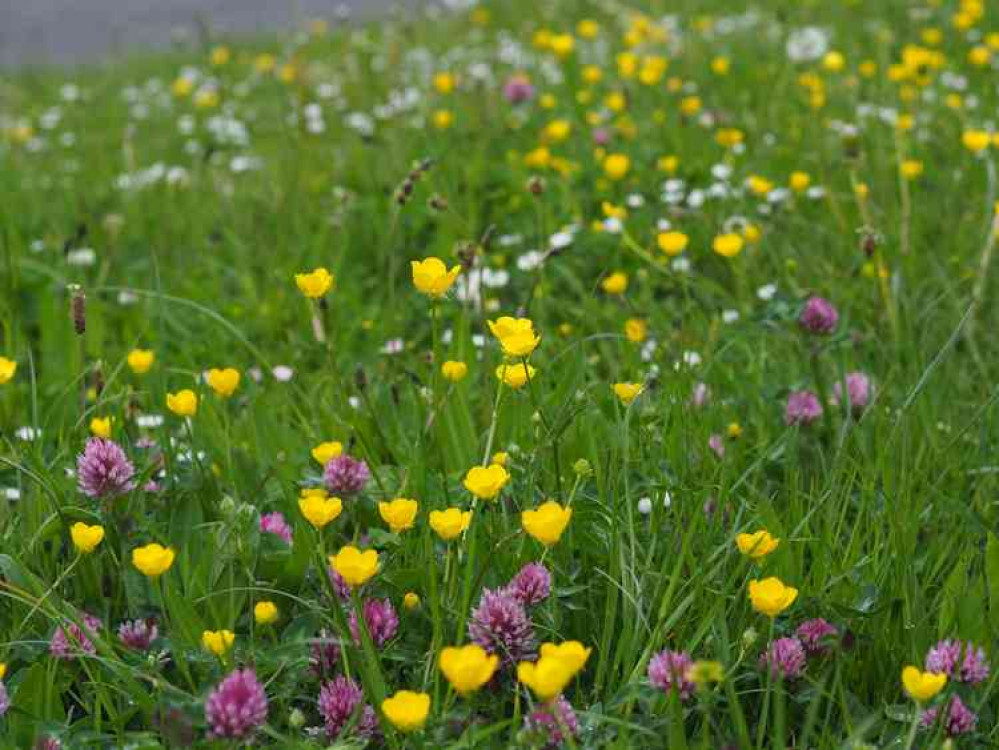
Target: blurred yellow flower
x,y
500,458
616,166
834,61
218,642
770,596
442,119
224,382
444,82
587,28
515,375
140,360
976,141
672,243
703,672
399,513
627,392
547,522
319,510
911,169
615,283
354,566
486,482
7,369
756,545
407,711
411,601
467,668
922,686
799,181
183,403
153,560
454,371
265,62
265,613
86,538
101,427
449,524
727,245
432,277
220,55
551,673
556,131
636,330
315,284
562,44
327,451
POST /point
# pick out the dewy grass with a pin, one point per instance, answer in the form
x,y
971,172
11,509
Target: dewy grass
x,y
684,310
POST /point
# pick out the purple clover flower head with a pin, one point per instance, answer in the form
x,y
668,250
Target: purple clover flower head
x,y
959,719
344,475
717,444
381,620
818,316
785,657
237,706
531,585
138,635
4,699
946,657
517,89
71,641
700,396
556,721
803,408
338,700
274,523
325,655
48,743
858,391
668,671
103,469
340,586
815,634
501,626
601,136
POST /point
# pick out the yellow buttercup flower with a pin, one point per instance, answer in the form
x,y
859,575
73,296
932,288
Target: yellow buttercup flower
x,y
444,82
411,601
799,181
315,284
140,361
449,524
976,141
703,672
616,166
407,711
454,371
320,510
547,522
500,458
7,369
727,245
557,665
183,403
327,451
265,62
3,670
636,330
224,382
770,596
615,283
86,538
432,277
101,427
516,335
467,668
516,375
354,566
911,169
756,545
922,686
486,482
672,243
265,613
218,641
153,560
399,514
220,55
627,392
442,119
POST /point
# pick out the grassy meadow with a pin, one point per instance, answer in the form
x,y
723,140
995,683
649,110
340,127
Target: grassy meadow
x,y
507,375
